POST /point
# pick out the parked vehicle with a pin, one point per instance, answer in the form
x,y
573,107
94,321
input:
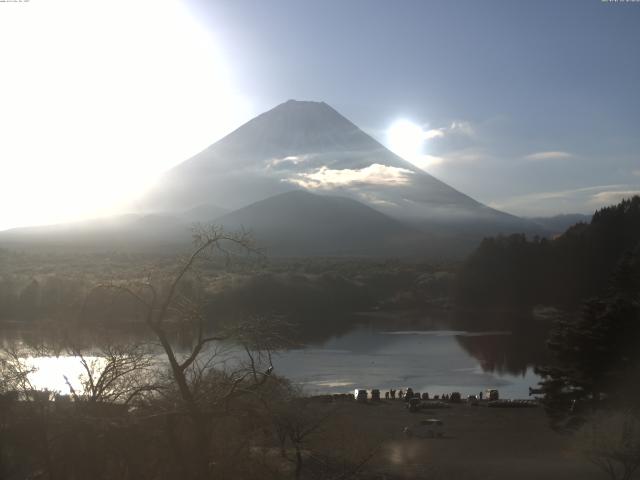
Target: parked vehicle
x,y
472,400
408,394
430,428
492,394
361,396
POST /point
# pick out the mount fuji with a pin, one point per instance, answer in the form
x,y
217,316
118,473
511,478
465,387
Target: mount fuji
x,y
307,181
309,145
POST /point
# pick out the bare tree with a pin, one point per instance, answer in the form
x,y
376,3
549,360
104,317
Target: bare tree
x,y
15,372
295,419
165,305
115,374
15,382
611,441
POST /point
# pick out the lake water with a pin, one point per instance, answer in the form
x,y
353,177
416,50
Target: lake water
x,y
375,355
434,361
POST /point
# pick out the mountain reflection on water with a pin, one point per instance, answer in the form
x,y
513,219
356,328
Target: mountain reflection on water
x,y
512,354
435,355
431,358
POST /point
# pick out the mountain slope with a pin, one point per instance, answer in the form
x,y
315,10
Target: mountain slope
x,y
300,223
310,145
307,181
129,232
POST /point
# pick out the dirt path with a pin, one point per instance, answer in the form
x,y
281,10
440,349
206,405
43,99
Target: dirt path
x,y
478,443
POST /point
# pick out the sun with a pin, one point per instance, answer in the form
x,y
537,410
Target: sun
x,y
406,139
98,98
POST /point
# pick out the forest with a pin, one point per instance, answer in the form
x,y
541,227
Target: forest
x,y
518,273
592,274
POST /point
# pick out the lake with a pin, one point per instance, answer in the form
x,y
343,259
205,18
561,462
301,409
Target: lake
x,y
434,361
386,355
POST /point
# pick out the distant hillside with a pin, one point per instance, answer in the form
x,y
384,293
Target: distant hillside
x,y
296,223
161,232
120,233
300,223
513,272
558,224
204,213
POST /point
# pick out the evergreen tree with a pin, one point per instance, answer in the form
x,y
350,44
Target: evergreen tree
x,y
597,362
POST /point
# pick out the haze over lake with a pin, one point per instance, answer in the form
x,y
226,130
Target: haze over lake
x,y
430,361
373,354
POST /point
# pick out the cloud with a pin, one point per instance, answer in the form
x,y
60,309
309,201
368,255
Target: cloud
x,y
289,160
374,174
427,147
549,155
464,128
376,200
434,133
578,200
427,161
558,194
455,128
610,197
454,144
465,156
295,159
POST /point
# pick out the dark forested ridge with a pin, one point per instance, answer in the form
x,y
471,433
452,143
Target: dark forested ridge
x,y
596,360
592,272
516,272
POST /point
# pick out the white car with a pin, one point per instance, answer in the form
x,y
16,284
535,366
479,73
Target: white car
x,y
430,428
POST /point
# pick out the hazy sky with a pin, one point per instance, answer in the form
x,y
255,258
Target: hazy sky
x,y
529,106
545,94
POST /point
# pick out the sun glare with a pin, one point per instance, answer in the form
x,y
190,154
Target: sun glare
x,y
406,139
58,374
98,98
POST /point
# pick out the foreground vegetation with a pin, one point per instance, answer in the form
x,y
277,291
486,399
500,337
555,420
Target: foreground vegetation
x,y
273,432
53,288
196,415
200,413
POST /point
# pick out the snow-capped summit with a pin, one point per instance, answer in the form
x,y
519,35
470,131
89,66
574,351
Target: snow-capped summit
x,y
309,145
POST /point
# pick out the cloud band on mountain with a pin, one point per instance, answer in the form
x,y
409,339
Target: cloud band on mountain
x,y
374,174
